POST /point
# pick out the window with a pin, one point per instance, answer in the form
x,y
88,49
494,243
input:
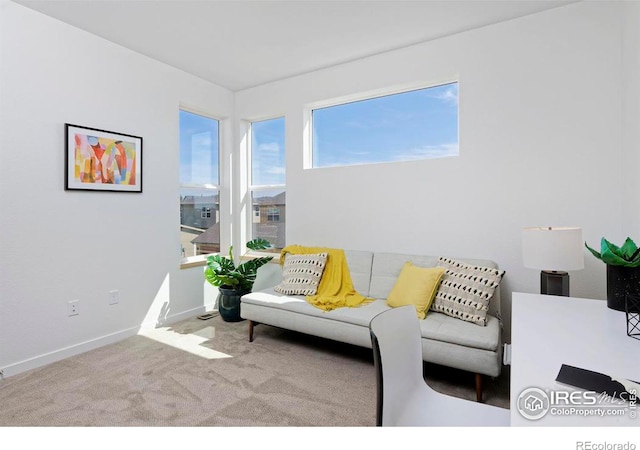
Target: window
x,y
206,213
273,215
199,184
268,195
418,124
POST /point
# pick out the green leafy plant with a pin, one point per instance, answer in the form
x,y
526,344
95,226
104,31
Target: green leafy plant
x,y
628,255
222,271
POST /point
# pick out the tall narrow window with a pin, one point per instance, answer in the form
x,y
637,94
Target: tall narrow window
x,y
419,124
199,185
268,194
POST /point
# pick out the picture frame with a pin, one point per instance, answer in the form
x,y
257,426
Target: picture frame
x,y
102,160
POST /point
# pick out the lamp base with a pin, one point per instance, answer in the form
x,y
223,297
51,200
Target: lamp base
x,y
554,283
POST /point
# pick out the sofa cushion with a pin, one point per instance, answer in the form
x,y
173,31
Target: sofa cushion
x,y
301,274
359,263
415,286
466,290
386,269
360,315
444,328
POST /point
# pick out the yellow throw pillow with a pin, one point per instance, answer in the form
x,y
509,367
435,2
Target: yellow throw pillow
x,y
416,286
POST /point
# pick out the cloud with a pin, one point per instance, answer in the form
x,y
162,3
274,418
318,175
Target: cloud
x,y
202,140
276,171
271,147
450,95
411,154
430,151
346,157
447,94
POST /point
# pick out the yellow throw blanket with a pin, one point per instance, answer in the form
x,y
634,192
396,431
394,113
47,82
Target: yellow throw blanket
x,y
336,288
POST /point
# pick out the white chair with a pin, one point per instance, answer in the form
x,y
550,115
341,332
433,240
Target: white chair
x,y
403,396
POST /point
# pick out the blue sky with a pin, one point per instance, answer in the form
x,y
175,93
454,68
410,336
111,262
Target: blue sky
x,y
401,127
268,152
198,149
408,126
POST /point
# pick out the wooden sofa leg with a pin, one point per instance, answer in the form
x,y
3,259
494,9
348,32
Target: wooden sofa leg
x,y
252,324
478,387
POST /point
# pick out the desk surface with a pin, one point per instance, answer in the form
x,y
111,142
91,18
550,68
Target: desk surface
x,y
548,331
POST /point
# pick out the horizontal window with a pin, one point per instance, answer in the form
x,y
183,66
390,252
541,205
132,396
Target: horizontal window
x,y
412,125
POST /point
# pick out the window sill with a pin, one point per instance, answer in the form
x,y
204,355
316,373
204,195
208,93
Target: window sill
x,y
254,255
193,261
201,260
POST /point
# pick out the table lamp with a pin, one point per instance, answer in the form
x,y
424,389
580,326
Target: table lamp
x,y
554,251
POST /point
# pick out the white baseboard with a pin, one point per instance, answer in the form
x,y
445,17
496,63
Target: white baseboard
x,y
76,349
161,322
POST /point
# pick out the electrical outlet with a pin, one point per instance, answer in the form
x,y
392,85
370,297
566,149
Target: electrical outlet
x,y
114,297
73,308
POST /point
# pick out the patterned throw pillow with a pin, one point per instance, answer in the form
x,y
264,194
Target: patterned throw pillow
x,y
466,290
301,274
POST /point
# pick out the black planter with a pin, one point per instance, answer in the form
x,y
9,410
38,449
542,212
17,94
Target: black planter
x,y
229,304
621,281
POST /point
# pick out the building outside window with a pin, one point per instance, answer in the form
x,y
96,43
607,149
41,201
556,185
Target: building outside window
x,y
199,184
407,126
268,193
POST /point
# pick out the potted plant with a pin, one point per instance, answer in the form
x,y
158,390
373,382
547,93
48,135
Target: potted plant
x,y
234,281
623,270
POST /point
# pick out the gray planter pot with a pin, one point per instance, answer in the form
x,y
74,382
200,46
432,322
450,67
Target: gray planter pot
x,y
621,281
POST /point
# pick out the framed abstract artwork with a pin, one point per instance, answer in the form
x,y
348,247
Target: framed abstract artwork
x,y
101,160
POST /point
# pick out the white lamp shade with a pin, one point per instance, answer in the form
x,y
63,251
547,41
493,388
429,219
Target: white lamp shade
x,y
553,248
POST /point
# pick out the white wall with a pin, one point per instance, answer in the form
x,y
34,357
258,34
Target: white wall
x,y
58,245
631,120
540,144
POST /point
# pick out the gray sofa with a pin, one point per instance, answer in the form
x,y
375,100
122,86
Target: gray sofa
x,y
445,340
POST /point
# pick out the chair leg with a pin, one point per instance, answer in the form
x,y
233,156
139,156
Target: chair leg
x,y
479,387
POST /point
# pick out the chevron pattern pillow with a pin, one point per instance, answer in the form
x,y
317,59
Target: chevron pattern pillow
x,y
466,290
301,274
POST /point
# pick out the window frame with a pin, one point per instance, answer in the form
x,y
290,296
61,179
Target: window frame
x,y
251,187
273,212
215,189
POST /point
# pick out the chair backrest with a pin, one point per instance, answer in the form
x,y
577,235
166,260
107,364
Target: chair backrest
x,y
397,354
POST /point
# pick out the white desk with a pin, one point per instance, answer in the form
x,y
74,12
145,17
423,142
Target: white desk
x,y
548,331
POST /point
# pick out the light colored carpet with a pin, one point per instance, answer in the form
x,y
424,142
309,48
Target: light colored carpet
x,y
206,373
